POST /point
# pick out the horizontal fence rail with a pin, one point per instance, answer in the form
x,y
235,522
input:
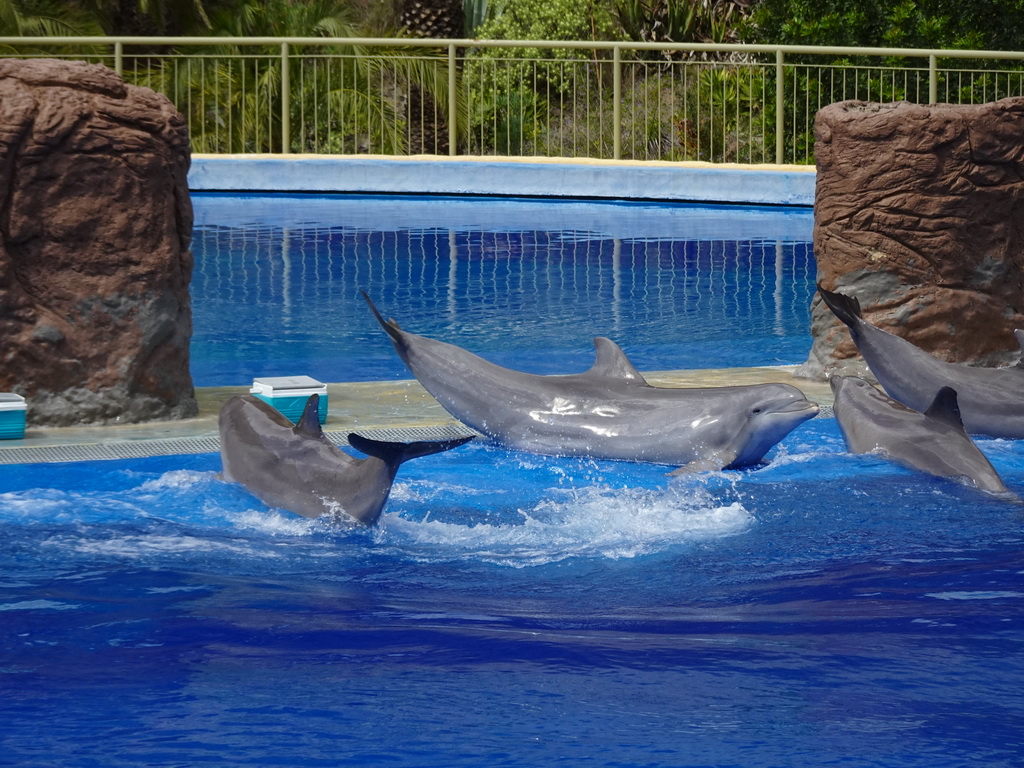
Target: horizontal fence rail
x,y
605,100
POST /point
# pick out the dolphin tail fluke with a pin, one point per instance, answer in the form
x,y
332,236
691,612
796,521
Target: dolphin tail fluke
x,y
846,308
390,326
394,454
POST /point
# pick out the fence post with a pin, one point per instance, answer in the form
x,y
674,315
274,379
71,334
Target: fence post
x,y
453,112
933,79
119,57
780,104
286,102
617,103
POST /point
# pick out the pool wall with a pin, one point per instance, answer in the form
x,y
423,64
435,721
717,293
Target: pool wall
x,y
791,185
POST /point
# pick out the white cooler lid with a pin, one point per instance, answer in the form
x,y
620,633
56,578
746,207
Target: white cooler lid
x,y
287,386
9,401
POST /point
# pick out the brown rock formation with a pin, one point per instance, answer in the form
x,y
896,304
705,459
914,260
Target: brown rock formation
x,y
95,229
919,212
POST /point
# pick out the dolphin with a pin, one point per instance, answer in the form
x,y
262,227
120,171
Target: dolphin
x,y
296,468
933,442
991,400
609,412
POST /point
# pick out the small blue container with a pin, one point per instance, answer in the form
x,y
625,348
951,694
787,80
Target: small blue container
x,y
12,416
288,394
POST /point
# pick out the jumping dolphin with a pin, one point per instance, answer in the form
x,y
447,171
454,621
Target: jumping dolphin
x,y
296,468
933,442
609,412
991,399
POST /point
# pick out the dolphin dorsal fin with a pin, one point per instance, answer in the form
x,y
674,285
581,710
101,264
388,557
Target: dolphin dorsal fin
x,y
612,362
309,422
945,408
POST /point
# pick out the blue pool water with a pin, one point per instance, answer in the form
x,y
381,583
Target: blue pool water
x,y
525,283
511,610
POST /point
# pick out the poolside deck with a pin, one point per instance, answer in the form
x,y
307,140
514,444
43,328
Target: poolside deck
x,y
384,409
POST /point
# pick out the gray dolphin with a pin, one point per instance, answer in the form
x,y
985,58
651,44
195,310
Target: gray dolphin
x,y
934,441
296,468
991,399
609,412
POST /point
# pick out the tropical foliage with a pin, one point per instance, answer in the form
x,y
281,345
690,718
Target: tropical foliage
x,y
341,98
393,99
936,24
513,90
979,24
41,18
671,21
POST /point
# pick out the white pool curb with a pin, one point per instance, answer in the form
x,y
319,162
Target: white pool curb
x,y
788,185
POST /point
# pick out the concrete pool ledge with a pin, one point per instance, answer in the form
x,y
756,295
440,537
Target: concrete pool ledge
x,y
390,410
785,185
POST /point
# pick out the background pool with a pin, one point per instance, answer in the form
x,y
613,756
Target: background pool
x,y
525,283
511,610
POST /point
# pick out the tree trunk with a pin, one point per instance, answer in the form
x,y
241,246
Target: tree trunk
x,y
426,124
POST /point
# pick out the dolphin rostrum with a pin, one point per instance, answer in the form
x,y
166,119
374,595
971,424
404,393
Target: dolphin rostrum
x,y
296,468
609,412
933,442
991,399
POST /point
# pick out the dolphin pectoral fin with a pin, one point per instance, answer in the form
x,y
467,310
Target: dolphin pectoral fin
x,y
1010,497
309,422
394,454
713,463
945,409
612,362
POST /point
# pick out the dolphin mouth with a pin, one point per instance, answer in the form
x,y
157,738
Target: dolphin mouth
x,y
800,406
836,383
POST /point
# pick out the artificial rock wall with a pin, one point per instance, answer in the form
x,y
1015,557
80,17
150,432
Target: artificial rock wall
x,y
95,230
919,212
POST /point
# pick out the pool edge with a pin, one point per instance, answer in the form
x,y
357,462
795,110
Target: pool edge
x,y
734,184
394,410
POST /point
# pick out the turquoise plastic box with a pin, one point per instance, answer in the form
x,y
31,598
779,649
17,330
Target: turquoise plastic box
x,y
289,394
12,416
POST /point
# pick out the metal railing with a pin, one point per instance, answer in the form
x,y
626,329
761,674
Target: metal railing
x,y
607,100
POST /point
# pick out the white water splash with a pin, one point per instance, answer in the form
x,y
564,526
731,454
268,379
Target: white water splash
x,y
274,523
597,521
176,480
37,504
422,491
517,512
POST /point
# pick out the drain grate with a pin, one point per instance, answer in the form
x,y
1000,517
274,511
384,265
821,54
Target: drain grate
x,y
139,449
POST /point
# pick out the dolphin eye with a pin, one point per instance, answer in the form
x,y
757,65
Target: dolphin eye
x,y
757,410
